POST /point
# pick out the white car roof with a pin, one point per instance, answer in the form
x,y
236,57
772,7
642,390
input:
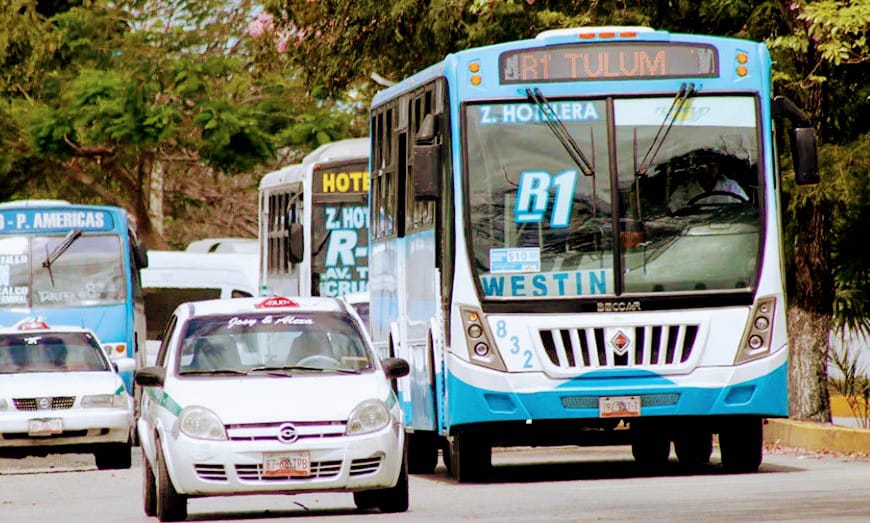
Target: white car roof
x,y
277,304
41,330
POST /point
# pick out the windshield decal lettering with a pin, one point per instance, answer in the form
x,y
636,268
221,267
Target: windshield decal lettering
x,y
529,113
533,197
515,260
237,321
11,294
564,283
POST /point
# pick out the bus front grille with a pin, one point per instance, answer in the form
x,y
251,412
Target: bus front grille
x,y
657,346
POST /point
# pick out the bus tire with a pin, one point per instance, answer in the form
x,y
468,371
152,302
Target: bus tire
x,y
470,457
650,444
693,447
422,452
171,506
741,443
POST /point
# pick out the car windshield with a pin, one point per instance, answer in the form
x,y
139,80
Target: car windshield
x,y
263,343
51,352
681,214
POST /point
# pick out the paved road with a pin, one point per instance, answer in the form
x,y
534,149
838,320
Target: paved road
x,y
562,484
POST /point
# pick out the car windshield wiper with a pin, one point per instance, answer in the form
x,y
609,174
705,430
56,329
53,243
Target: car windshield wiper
x,y
51,257
551,118
273,368
213,372
665,128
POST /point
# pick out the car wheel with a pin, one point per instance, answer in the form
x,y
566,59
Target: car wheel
x,y
114,456
149,488
470,457
741,445
171,506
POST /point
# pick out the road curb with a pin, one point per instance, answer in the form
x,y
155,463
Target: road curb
x,y
817,436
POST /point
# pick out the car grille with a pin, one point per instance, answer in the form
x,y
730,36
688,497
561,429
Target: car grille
x,y
360,467
209,472
269,431
319,469
657,346
57,403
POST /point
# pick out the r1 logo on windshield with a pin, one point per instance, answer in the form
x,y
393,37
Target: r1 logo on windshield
x,y
533,197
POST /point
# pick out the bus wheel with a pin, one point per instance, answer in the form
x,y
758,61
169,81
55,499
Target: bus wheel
x,y
422,452
650,445
693,447
470,457
740,443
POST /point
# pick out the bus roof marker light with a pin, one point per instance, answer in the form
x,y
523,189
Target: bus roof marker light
x,y
474,67
586,36
475,79
628,34
607,34
742,58
742,71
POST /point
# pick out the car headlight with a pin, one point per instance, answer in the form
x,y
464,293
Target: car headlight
x,y
105,401
201,423
368,416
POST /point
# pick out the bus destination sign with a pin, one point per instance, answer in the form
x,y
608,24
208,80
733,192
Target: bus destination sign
x,y
610,61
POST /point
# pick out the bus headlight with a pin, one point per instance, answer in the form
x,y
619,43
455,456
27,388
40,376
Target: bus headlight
x,y
201,423
755,342
368,416
481,348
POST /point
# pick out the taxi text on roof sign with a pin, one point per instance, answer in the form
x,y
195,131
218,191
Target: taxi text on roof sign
x,y
276,302
52,220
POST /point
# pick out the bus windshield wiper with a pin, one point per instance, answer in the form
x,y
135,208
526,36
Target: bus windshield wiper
x,y
51,257
551,118
665,128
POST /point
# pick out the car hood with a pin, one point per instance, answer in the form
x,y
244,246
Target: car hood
x,y
274,398
37,384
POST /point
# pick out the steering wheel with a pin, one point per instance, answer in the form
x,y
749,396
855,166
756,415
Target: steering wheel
x,y
329,361
698,197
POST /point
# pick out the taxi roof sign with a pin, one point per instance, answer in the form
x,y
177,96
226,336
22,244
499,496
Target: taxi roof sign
x,y
274,302
31,324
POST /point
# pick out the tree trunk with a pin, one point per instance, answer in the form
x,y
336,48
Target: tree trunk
x,y
155,196
810,314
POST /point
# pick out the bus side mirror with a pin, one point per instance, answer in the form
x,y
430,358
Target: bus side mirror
x,y
140,252
296,243
804,155
426,161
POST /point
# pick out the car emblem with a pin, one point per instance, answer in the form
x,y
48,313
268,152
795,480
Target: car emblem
x,y
620,343
287,433
44,403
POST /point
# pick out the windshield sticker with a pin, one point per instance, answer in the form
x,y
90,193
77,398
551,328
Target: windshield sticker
x,y
533,197
515,260
565,283
725,111
11,294
530,113
346,261
237,321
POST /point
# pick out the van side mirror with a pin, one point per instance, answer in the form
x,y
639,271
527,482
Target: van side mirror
x,y
296,243
150,376
426,160
396,367
804,155
140,253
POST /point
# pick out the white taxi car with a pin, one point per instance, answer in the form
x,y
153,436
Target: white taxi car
x,y
270,395
59,392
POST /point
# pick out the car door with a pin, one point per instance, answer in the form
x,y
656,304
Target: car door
x,y
152,397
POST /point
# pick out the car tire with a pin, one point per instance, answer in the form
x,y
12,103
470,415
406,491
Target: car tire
x,y
388,500
470,457
149,488
171,506
114,456
741,445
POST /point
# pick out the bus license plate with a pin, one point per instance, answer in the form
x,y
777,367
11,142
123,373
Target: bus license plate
x,y
45,427
619,407
287,464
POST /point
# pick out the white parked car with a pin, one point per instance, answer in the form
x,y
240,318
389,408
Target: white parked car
x,y
59,392
270,395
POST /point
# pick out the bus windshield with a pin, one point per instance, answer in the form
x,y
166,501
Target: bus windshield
x,y
88,272
687,189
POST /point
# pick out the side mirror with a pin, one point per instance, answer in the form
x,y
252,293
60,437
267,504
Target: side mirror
x,y
296,244
140,252
396,367
124,365
150,376
804,155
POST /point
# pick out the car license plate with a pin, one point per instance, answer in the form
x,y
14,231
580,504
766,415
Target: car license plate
x,y
619,407
287,464
45,427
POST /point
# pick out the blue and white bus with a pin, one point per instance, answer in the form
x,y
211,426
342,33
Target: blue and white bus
x,y
575,239
77,265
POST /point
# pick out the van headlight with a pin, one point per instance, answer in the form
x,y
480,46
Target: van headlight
x,y
105,401
201,423
368,416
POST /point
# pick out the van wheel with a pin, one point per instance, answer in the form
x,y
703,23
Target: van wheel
x,y
171,506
